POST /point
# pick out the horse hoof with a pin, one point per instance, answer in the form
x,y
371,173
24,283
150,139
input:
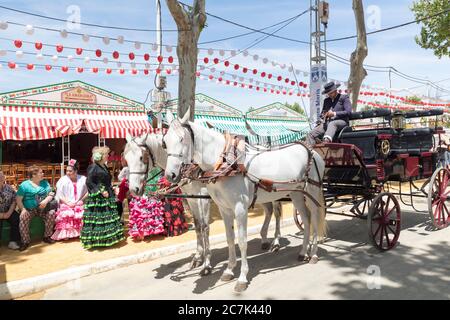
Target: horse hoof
x,y
265,246
240,287
227,277
206,271
275,248
314,260
195,264
302,258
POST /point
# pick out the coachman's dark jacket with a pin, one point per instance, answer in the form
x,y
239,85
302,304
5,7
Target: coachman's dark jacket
x,y
341,105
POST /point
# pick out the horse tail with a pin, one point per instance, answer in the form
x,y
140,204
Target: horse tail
x,y
317,172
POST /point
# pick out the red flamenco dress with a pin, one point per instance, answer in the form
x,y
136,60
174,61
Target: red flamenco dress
x,y
174,221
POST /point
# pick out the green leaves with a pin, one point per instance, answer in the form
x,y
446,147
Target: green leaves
x,y
435,32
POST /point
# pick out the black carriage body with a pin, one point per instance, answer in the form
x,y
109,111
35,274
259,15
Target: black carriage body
x,y
361,161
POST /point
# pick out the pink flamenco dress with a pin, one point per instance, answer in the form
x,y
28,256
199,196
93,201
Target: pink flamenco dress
x,y
146,217
69,219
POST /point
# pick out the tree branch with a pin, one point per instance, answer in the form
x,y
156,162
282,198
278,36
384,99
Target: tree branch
x,y
199,13
179,14
357,71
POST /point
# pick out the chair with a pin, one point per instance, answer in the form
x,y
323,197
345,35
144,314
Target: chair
x,y
49,174
19,172
8,171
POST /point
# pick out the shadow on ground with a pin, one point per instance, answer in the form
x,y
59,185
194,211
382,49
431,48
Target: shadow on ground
x,y
406,274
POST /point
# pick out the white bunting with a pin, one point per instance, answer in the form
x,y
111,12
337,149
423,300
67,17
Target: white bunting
x,y
29,29
3,25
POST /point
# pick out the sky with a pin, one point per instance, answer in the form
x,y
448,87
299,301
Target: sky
x,y
395,48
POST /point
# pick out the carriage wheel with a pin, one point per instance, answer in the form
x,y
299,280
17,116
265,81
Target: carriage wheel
x,y
384,221
359,209
438,198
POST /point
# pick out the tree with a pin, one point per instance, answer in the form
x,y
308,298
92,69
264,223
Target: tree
x,y
357,71
435,32
296,107
190,23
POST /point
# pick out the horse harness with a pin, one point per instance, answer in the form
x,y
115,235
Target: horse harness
x,y
227,166
146,156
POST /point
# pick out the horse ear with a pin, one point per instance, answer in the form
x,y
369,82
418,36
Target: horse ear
x,y
169,117
185,118
129,137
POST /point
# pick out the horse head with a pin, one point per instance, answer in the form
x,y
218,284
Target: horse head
x,y
140,160
179,142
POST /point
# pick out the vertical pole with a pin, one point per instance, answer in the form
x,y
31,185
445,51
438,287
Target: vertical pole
x,y
62,160
318,68
159,44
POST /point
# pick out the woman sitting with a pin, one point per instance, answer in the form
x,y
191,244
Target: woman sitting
x,y
71,191
35,198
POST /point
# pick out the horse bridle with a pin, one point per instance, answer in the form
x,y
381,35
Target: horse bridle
x,y
146,151
179,155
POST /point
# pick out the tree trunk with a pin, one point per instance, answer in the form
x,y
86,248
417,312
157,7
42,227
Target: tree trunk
x,y
357,71
190,24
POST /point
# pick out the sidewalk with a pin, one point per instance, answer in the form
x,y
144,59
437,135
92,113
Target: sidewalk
x,y
42,259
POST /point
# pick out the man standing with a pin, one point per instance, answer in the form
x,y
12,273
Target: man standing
x,y
337,109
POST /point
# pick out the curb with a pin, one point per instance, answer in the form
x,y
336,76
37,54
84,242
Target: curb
x,y
20,288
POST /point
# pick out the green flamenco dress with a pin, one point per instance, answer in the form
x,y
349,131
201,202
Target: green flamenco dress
x,y
101,222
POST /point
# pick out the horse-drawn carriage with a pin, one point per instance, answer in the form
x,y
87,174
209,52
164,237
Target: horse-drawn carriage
x,y
361,167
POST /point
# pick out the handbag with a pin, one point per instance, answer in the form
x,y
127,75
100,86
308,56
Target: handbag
x,y
51,205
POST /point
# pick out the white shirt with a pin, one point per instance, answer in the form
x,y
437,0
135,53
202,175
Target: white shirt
x,y
64,188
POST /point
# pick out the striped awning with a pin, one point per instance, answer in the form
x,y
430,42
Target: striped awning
x,y
269,132
116,124
31,123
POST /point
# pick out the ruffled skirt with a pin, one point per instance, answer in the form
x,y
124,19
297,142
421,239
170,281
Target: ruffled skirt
x,y
101,222
146,217
68,222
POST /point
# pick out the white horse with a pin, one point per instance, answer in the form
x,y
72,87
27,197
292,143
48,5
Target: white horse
x,y
145,152
188,142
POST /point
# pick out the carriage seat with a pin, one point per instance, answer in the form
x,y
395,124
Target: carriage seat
x,y
412,141
375,113
364,140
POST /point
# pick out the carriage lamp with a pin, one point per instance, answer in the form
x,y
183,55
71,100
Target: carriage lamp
x,y
398,120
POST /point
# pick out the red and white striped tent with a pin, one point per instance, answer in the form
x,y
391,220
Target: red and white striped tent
x,y
63,109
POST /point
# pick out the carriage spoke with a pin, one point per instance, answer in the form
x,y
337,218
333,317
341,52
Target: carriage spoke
x,y
387,205
387,237
381,238
378,229
437,213
444,219
444,182
389,227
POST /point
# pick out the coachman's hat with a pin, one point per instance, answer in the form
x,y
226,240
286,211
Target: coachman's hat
x,y
329,87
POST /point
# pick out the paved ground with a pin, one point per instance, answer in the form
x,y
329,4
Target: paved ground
x,y
41,258
418,268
